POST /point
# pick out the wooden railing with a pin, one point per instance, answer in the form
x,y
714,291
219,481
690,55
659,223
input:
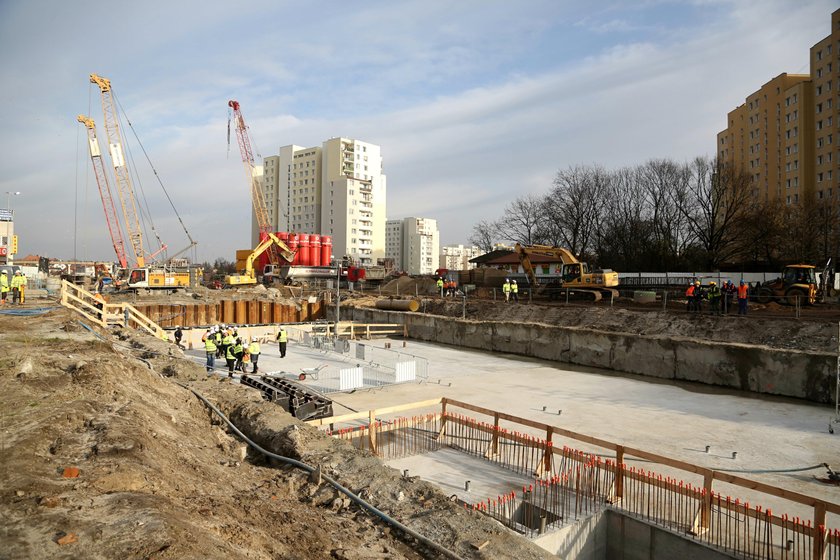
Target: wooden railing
x,y
106,314
629,483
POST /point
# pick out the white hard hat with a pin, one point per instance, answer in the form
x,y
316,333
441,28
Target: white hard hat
x,y
253,339
4,272
514,281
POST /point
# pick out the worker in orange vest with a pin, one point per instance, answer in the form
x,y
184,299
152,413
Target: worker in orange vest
x,y
689,294
743,298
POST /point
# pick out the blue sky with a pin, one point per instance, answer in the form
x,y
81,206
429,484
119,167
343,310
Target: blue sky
x,y
473,102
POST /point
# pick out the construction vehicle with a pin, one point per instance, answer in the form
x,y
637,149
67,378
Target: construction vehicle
x,y
245,265
572,275
798,282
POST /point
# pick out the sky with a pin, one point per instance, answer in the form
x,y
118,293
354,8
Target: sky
x,y
474,103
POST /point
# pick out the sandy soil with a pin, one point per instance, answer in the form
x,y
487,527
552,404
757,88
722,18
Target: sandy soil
x,y
105,455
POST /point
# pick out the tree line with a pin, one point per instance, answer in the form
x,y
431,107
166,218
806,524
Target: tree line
x,y
664,215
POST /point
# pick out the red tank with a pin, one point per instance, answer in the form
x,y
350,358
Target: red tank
x,y
262,260
314,250
326,250
303,249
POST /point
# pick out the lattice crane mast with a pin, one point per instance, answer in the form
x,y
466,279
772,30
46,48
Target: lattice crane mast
x,y
104,190
257,194
124,188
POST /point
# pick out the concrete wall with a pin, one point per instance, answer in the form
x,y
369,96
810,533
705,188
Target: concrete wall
x,y
790,373
611,534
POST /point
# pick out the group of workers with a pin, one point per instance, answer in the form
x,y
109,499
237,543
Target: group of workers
x,y
223,341
511,290
720,298
17,285
446,287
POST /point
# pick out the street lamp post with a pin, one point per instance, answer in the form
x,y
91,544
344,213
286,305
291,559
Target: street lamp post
x,y
9,198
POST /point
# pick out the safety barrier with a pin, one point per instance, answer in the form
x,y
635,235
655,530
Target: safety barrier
x,y
106,314
570,483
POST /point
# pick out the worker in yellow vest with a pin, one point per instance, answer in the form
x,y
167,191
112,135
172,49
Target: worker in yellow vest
x,y
4,286
210,348
506,289
254,351
17,284
282,338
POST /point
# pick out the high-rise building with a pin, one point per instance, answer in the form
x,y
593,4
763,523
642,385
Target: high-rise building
x,y
784,135
413,244
337,189
457,257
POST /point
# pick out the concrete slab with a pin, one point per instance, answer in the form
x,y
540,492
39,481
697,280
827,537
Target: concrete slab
x,y
776,439
449,470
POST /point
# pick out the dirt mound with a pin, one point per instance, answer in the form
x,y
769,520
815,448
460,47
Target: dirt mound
x,y
408,286
818,336
106,457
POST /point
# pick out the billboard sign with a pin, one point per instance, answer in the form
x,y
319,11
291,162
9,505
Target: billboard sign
x,y
5,215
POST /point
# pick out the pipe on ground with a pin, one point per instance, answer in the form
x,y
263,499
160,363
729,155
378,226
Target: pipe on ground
x,y
398,304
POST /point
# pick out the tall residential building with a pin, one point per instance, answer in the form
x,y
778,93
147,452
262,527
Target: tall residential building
x,y
413,244
783,135
337,189
457,257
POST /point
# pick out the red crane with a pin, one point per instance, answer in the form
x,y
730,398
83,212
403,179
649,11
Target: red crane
x,y
257,194
104,190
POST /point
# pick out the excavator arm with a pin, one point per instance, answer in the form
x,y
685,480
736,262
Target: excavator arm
x,y
525,252
270,241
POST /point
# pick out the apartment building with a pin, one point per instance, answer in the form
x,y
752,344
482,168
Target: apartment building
x,y
413,244
785,134
457,257
336,189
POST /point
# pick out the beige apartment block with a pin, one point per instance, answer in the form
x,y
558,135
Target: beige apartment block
x,y
785,134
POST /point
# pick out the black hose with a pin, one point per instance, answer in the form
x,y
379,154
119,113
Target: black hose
x,y
335,484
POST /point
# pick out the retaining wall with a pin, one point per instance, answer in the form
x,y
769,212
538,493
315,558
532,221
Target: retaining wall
x,y
760,369
236,312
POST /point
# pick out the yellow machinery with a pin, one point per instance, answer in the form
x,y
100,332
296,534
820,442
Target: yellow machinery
x,y
158,278
246,265
797,282
574,274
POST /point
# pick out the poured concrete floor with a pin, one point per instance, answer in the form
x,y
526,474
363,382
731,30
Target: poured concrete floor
x,y
676,420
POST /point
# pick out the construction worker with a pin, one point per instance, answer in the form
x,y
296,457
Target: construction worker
x,y
227,342
4,287
714,298
254,351
210,347
506,289
728,296
99,301
514,290
743,297
699,296
239,352
22,287
282,339
17,281
689,295
440,285
230,358
179,334
218,337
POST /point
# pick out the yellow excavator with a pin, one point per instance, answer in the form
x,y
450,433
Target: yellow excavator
x,y
245,264
574,274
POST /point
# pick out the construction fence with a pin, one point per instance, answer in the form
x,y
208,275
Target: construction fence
x,y
570,484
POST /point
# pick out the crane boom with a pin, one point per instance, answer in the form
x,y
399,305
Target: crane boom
x,y
104,190
124,188
257,194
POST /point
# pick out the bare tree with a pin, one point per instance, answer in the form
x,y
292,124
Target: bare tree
x,y
484,235
624,237
661,181
521,220
715,199
572,209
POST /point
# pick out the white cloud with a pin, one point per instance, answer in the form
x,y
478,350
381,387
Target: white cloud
x,y
469,115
